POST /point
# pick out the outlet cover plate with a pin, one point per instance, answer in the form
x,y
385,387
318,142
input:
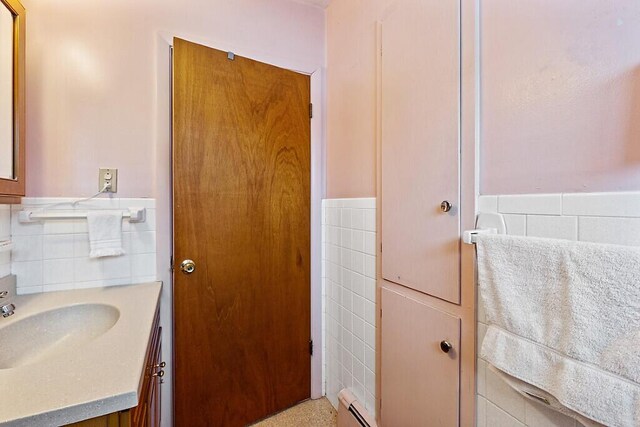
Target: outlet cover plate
x,y
108,175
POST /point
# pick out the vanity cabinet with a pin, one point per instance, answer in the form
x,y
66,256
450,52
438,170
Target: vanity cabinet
x,y
147,413
421,365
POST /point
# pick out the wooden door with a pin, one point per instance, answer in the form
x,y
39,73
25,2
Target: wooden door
x,y
419,382
420,147
241,194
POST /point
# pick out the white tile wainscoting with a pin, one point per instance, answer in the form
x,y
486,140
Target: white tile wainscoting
x,y
5,234
590,217
349,293
54,255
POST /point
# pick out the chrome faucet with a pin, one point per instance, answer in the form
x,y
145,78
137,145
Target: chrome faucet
x,y
6,309
7,289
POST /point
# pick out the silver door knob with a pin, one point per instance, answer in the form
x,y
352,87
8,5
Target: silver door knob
x,y
187,266
445,206
445,346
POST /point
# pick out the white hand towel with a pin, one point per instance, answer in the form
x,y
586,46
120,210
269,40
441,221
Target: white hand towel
x,y
565,317
105,233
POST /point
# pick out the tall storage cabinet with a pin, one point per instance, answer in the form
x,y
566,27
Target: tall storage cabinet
x,y
420,147
421,336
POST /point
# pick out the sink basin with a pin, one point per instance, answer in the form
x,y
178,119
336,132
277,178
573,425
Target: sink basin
x,y
50,333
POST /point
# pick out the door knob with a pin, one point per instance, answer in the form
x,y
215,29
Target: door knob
x,y
187,266
445,346
445,206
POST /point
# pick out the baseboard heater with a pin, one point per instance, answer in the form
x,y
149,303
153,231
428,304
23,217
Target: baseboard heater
x,y
351,413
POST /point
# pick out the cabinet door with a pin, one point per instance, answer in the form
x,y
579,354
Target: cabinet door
x,y
419,381
154,393
153,419
420,146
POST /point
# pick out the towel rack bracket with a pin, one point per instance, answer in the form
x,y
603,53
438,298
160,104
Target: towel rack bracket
x,y
469,236
486,222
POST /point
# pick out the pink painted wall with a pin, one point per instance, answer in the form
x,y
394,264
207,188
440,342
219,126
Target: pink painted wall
x,y
98,95
351,97
92,70
560,96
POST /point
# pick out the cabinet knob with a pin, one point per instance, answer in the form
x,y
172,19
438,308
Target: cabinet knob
x,y
160,365
158,374
445,206
445,346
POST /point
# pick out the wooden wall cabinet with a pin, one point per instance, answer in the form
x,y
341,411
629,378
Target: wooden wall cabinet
x,y
12,182
147,413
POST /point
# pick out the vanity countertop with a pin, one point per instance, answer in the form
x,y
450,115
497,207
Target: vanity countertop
x,y
101,376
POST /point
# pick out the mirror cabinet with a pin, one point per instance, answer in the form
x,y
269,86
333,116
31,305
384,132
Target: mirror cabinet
x,y
12,101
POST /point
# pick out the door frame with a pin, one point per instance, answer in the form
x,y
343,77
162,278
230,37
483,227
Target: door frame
x,y
164,202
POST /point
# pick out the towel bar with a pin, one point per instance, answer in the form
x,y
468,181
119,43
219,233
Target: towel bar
x,y
132,214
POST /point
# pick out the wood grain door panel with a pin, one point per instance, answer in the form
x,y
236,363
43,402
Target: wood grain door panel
x,y
241,163
420,147
419,382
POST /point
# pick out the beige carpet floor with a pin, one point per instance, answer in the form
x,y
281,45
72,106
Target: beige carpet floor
x,y
311,413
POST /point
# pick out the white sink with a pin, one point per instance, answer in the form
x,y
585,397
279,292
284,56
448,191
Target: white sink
x,y
50,333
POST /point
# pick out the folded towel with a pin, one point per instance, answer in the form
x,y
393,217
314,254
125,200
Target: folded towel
x,y
565,317
105,233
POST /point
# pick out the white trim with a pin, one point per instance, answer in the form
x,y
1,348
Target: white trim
x,y
317,192
477,100
164,243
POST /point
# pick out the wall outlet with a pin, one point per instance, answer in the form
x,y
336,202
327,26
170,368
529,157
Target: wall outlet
x,y
108,177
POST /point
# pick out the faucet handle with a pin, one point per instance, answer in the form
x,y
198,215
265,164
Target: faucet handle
x,y
7,310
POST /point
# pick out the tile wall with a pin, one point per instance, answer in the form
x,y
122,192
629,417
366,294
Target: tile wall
x,y
54,255
591,217
5,235
349,292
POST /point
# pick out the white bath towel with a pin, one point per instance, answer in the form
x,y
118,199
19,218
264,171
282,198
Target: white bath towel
x,y
536,394
105,233
565,317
